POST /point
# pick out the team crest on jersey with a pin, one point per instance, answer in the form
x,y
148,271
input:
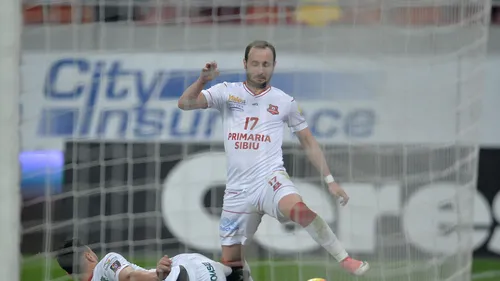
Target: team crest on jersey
x,y
115,266
273,109
236,103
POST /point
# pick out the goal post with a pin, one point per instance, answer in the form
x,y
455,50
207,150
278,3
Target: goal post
x,y
390,88
10,207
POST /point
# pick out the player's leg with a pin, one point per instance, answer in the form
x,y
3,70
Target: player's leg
x,y
239,222
287,204
233,256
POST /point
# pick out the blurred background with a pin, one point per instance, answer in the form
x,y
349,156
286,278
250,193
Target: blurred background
x,y
203,11
403,96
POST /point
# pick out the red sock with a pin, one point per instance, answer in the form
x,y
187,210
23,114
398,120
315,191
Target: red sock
x,y
301,214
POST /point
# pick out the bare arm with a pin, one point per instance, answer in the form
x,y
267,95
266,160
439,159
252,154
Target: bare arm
x,y
192,98
128,274
313,151
317,158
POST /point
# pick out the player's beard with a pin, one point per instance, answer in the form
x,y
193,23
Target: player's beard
x,y
257,85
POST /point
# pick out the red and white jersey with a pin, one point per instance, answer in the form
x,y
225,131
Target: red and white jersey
x,y
253,129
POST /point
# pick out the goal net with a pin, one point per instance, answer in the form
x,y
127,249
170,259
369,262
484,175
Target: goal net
x,y
390,88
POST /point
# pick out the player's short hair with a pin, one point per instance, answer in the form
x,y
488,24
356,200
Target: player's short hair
x,y
260,44
70,254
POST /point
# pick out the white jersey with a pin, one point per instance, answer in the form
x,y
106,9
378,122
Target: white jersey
x,y
109,268
198,267
253,129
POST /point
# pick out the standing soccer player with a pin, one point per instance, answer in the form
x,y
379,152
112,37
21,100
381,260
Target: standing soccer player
x,y
253,114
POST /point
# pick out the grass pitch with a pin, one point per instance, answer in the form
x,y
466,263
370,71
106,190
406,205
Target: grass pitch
x,y
34,269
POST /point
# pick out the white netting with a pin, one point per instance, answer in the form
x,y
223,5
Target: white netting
x,y
391,88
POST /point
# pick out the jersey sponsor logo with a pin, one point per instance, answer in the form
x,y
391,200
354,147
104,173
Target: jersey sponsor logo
x,y
211,271
228,225
249,137
104,279
115,266
236,103
236,99
248,140
273,109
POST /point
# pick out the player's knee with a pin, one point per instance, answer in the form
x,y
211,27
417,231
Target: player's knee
x,y
301,214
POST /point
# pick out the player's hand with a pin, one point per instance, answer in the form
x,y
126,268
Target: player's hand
x,y
338,191
209,72
163,267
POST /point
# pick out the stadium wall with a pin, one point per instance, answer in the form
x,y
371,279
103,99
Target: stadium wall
x,y
128,176
361,40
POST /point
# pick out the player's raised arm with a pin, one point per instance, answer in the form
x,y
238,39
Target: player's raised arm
x,y
192,98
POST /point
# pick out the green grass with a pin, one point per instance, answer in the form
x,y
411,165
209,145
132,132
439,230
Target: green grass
x,y
33,269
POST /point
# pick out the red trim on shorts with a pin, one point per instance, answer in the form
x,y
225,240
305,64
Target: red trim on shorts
x,y
262,93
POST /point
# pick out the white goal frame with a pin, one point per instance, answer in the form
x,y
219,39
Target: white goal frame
x,y
411,165
10,208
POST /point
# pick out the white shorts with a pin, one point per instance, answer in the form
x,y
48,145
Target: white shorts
x,y
242,210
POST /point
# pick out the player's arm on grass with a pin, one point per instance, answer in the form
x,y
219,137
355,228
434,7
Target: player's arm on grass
x,y
129,274
192,97
298,125
119,269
